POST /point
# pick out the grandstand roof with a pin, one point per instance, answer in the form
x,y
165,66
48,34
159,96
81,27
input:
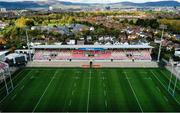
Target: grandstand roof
x,y
92,46
13,55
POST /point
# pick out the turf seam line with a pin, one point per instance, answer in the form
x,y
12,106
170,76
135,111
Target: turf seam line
x,y
89,87
134,93
15,87
165,87
45,91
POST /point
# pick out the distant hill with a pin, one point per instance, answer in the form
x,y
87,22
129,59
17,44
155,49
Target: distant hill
x,y
153,4
22,5
47,3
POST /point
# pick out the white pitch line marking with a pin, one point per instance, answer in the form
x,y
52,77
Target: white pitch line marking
x,y
134,93
22,87
16,86
104,93
78,72
13,97
89,92
73,92
147,78
77,78
165,98
102,72
70,103
158,89
164,86
165,75
13,78
45,91
106,103
75,84
32,77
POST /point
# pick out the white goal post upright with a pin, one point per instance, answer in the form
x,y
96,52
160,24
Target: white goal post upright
x,y
177,71
9,73
4,78
6,73
163,27
172,66
175,86
174,70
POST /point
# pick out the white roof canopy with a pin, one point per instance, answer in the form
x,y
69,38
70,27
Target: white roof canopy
x,y
3,52
177,53
92,46
13,55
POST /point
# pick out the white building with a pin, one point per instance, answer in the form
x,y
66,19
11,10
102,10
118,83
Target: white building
x,y
2,25
71,42
3,55
2,9
50,8
177,52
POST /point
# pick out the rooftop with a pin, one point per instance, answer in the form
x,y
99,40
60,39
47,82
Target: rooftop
x,y
123,46
3,52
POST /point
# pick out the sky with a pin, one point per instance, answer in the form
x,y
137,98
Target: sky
x,y
94,1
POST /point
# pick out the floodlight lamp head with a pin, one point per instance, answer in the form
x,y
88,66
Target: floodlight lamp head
x,y
163,26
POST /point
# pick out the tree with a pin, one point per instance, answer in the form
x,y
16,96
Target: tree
x,y
20,22
131,22
30,23
154,23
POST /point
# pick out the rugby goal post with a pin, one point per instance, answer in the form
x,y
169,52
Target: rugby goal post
x,y
5,73
175,71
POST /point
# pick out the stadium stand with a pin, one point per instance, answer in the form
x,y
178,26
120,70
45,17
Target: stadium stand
x,y
52,54
100,55
97,55
93,52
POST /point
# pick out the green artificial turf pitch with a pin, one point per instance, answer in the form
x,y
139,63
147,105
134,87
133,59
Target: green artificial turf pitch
x,y
89,90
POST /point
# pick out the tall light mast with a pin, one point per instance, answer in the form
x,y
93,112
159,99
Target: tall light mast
x,y
163,27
